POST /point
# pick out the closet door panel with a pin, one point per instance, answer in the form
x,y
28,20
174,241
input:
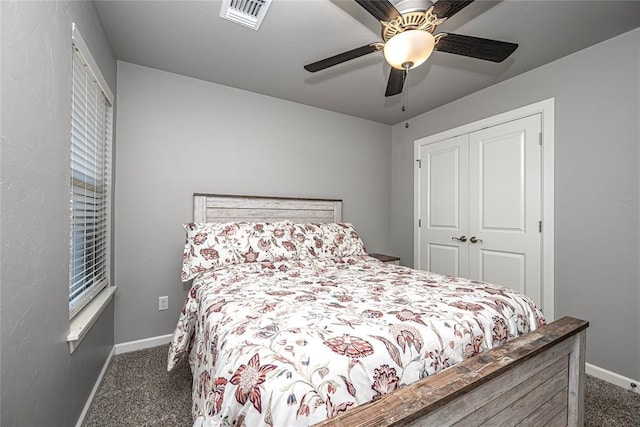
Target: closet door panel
x,y
501,186
444,259
444,207
503,268
504,205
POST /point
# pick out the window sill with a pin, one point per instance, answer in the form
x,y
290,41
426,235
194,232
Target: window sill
x,y
80,325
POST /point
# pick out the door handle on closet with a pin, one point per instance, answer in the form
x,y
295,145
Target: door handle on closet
x,y
474,239
460,239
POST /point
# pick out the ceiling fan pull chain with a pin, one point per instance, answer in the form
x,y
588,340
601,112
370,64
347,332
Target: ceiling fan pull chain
x,y
405,91
405,95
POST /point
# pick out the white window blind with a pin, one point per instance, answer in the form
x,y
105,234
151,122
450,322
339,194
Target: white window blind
x,y
90,186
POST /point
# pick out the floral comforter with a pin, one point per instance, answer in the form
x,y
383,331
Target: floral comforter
x,y
295,342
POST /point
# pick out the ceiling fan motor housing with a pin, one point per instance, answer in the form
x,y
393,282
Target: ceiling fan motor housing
x,y
414,15
406,6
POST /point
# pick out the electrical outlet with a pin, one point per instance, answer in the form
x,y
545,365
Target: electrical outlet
x,y
163,303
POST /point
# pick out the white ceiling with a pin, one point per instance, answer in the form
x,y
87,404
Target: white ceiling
x,y
189,38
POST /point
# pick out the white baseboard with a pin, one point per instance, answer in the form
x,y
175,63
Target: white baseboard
x,y
613,378
127,347
96,386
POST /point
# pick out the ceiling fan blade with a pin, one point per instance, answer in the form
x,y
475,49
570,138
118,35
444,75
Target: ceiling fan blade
x,y
382,10
342,57
396,82
448,8
475,47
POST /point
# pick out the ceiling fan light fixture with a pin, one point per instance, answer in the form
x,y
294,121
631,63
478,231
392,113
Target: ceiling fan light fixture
x,y
409,49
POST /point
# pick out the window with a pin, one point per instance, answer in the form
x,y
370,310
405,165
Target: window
x,y
90,186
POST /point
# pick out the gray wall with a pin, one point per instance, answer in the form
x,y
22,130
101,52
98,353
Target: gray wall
x,y
42,384
178,135
597,93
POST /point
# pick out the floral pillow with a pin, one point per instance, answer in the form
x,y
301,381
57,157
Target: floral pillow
x,y
263,241
206,248
328,240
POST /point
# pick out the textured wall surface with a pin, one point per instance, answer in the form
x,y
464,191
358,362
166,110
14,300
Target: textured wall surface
x,y
178,135
42,384
597,140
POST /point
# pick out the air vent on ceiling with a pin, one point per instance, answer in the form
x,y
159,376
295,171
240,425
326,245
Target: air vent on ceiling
x,y
249,13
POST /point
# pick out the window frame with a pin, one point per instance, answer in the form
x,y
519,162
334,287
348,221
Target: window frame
x,y
103,184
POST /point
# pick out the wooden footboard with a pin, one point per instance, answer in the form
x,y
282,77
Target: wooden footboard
x,y
537,379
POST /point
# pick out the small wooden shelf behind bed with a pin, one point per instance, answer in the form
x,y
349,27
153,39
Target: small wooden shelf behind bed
x,y
534,380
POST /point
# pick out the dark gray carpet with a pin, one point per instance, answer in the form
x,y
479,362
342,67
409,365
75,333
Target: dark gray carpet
x,y
137,391
609,405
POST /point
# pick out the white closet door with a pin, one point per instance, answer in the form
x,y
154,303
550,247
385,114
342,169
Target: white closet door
x,y
504,207
480,206
444,184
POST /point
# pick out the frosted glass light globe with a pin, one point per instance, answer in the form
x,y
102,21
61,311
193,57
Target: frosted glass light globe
x,y
409,49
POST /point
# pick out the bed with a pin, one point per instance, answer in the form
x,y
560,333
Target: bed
x,y
290,322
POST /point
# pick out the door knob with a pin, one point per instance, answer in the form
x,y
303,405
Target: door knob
x,y
474,239
460,239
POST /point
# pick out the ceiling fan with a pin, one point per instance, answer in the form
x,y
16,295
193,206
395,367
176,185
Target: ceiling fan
x,y
408,39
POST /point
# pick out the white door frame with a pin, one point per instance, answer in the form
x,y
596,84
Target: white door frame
x,y
546,109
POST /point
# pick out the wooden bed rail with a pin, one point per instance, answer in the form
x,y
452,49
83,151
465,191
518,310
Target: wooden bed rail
x,y
536,379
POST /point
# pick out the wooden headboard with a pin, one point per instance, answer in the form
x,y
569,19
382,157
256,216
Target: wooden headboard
x,y
227,208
